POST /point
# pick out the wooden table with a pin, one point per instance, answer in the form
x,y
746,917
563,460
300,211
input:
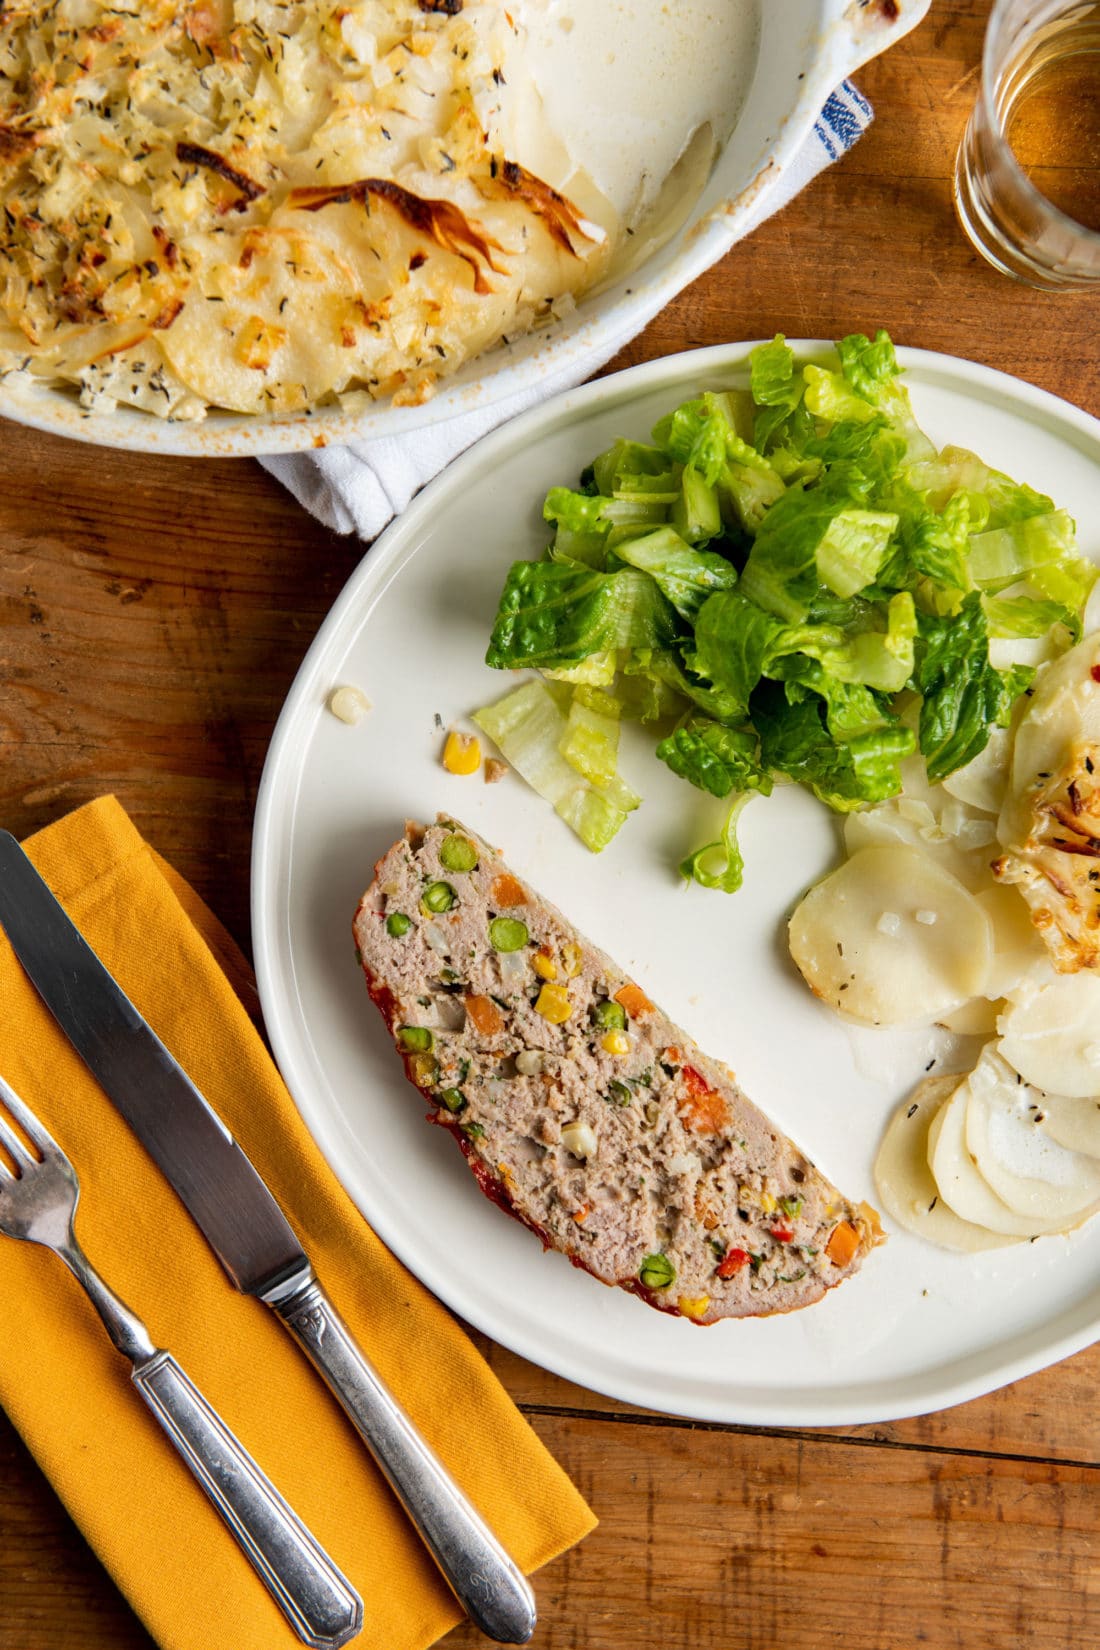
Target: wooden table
x,y
153,612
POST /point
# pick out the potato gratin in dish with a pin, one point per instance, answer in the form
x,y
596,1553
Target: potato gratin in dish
x,y
264,206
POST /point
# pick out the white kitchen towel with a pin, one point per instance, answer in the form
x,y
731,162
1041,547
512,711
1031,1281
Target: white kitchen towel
x,y
360,487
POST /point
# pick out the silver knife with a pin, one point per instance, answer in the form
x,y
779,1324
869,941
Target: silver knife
x,y
250,1235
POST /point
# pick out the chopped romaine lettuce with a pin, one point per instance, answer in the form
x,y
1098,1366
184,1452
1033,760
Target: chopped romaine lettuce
x,y
715,758
760,581
963,696
529,729
719,864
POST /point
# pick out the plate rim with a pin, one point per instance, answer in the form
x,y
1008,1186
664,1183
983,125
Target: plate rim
x,y
979,1372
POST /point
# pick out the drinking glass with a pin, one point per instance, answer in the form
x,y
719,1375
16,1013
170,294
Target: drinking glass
x,y
1027,178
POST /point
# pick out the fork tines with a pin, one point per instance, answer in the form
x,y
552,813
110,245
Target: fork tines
x,y
38,1136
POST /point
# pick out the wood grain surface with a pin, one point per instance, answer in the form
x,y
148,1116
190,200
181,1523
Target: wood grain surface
x,y
153,612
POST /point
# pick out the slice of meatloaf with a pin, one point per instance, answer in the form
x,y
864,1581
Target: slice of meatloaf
x,y
581,1109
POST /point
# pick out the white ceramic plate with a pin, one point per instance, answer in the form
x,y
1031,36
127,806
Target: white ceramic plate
x,y
917,1329
805,48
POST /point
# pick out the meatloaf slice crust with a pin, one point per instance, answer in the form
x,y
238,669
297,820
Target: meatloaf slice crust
x,y
581,1109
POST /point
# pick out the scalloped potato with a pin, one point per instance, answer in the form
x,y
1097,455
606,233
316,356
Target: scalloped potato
x,y
891,938
263,205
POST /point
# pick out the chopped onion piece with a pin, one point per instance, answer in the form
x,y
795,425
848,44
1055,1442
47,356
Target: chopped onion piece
x,y
580,1139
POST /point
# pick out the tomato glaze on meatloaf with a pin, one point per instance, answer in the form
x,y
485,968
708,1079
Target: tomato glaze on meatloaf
x,y
580,1108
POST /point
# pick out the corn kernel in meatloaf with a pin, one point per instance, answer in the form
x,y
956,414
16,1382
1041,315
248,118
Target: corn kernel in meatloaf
x,y
581,1109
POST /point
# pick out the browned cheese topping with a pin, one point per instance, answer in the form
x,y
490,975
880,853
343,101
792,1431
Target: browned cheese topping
x,y
265,206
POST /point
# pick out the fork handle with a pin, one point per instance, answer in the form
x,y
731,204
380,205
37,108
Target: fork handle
x,y
316,1599
318,1602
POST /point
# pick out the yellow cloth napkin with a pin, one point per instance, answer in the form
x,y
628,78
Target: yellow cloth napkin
x,y
67,1390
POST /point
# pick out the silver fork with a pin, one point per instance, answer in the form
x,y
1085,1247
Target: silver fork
x,y
38,1203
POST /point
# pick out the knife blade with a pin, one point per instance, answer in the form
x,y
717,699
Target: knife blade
x,y
251,1237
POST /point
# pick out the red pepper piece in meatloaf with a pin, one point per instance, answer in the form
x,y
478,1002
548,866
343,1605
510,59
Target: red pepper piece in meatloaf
x,y
581,1109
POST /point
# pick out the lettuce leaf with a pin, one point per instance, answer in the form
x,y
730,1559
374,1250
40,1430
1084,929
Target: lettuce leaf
x,y
1022,617
862,653
1041,548
719,864
685,576
715,758
555,614
735,644
871,368
852,549
795,741
964,695
528,728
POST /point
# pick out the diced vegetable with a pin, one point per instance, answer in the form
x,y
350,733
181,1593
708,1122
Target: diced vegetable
x,y
633,1000
423,1069
457,853
461,754
438,897
507,890
485,1014
415,1039
553,1004
507,934
580,1139
657,1272
843,1243
609,1015
732,1262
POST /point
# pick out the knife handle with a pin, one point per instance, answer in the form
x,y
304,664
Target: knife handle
x,y
490,1587
319,1603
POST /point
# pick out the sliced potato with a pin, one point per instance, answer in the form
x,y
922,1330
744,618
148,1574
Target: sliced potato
x,y
977,1018
1027,1169
904,1180
270,325
981,783
1073,1123
911,822
1020,959
1052,1037
958,1180
891,938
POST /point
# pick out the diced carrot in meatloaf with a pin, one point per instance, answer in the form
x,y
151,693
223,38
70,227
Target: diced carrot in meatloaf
x,y
581,1109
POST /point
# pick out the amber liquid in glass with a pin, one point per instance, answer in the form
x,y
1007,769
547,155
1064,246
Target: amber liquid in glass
x,y
1052,114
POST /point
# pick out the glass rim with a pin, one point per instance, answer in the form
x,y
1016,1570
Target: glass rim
x,y
994,28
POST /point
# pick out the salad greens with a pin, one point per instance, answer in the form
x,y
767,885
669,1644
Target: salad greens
x,y
771,581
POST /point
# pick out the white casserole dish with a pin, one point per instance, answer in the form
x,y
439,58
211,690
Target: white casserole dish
x,y
805,49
